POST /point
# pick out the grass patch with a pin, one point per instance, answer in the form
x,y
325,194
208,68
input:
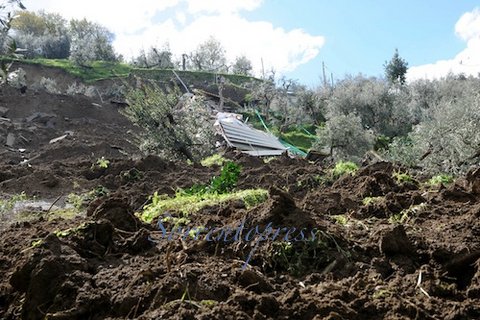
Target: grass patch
x,y
344,167
340,219
406,214
299,139
216,159
97,70
187,204
440,179
402,177
371,200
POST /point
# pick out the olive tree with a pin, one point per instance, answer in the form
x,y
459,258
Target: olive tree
x,y
174,126
242,66
42,35
209,56
90,42
344,137
449,141
160,58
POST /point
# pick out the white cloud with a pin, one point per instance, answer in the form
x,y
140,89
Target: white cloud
x,y
193,22
466,62
224,6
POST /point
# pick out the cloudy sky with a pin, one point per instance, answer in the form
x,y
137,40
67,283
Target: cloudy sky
x,y
295,36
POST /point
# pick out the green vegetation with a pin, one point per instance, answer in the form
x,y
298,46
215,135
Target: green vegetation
x,y
299,139
402,177
97,70
69,231
215,159
191,200
371,200
8,204
406,214
302,256
101,163
341,219
188,204
343,168
80,201
132,174
440,179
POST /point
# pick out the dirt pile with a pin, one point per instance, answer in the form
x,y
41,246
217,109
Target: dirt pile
x,y
362,264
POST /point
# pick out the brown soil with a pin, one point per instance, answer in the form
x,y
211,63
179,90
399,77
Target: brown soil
x,y
108,264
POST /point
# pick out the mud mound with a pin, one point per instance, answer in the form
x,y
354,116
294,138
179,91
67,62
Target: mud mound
x,y
364,246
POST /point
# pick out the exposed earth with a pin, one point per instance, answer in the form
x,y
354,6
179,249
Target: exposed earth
x,y
412,252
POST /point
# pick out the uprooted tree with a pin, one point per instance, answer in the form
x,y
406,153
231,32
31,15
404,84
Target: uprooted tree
x,y
175,126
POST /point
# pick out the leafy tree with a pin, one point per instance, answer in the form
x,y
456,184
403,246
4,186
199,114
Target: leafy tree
x,y
344,137
175,126
90,42
242,66
381,109
8,46
42,35
155,58
396,69
209,56
448,140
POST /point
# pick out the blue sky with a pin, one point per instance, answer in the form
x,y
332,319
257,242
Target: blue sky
x,y
361,35
294,37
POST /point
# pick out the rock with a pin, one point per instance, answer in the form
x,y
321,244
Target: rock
x,y
58,139
396,242
10,140
3,111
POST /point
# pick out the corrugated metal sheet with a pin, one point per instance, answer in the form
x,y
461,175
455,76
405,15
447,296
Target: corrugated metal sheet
x,y
246,139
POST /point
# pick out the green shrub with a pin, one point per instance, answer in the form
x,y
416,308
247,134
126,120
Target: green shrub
x,y
440,179
215,159
402,177
342,168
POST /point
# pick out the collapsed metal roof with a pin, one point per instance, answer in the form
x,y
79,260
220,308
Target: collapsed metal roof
x,y
239,135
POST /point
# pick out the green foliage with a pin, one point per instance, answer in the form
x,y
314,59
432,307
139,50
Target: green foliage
x,y
341,219
8,204
345,137
101,163
402,177
80,201
42,35
440,179
396,69
215,159
209,55
160,58
303,256
406,214
175,126
131,175
343,168
448,139
227,180
90,41
190,203
371,200
242,66
298,138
